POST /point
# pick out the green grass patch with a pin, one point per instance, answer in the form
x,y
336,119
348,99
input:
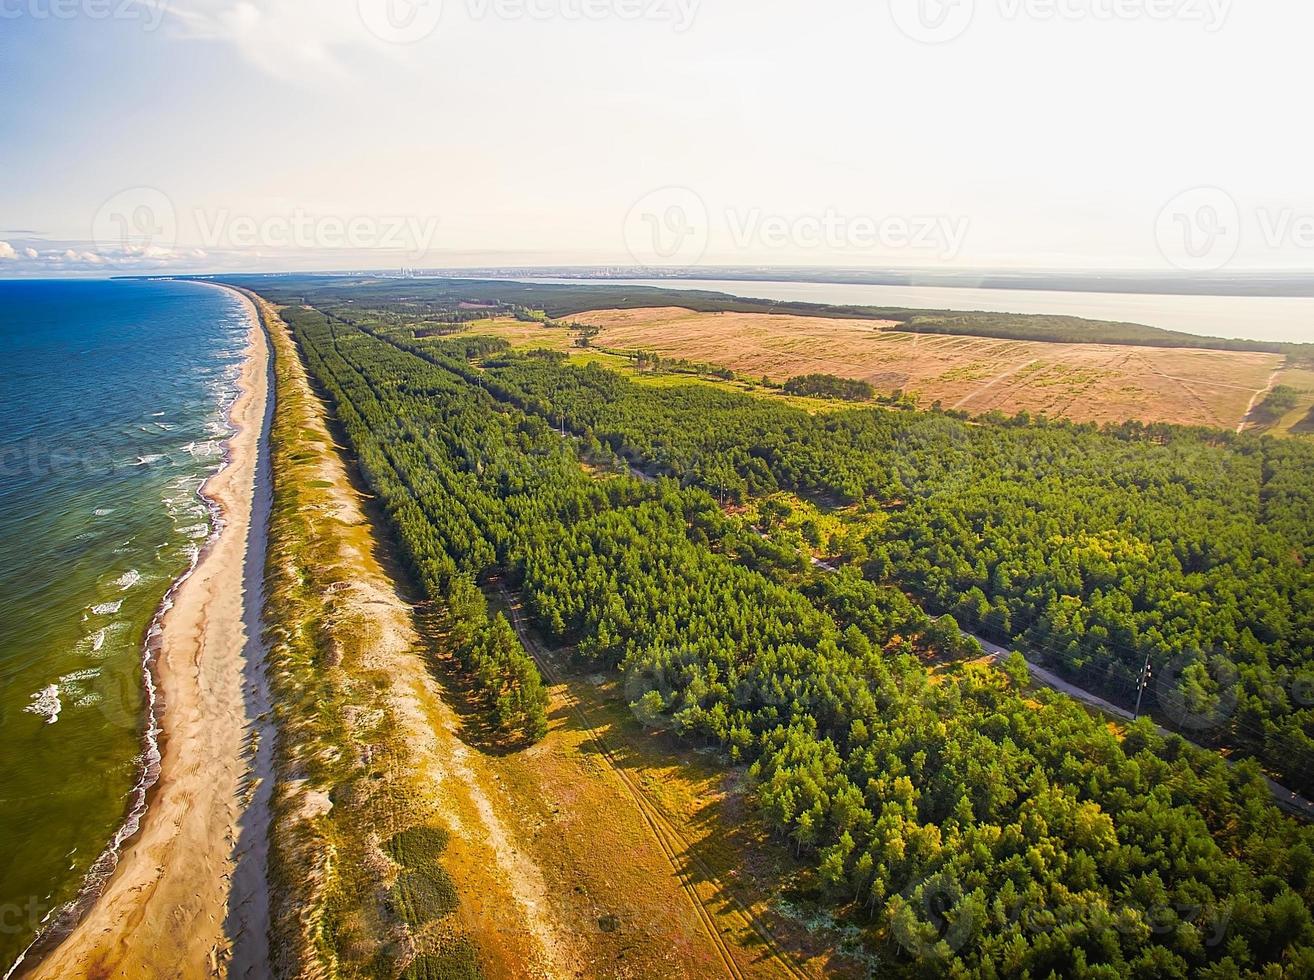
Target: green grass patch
x,y
422,895
459,962
418,847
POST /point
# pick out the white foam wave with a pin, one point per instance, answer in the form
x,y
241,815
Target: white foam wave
x,y
149,459
46,703
128,579
98,639
203,449
78,676
104,511
107,608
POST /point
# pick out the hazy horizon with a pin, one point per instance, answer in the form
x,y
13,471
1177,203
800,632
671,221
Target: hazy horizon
x,y
218,136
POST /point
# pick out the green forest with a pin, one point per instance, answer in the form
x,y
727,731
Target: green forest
x,y
967,823
1100,548
829,386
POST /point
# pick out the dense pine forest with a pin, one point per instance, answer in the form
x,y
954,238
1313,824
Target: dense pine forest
x,y
1101,549
968,824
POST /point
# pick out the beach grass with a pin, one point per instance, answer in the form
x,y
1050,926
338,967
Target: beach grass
x,y
346,904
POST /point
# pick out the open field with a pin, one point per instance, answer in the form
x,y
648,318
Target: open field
x,y
1085,382
1300,420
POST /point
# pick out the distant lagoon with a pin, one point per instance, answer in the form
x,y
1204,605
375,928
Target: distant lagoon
x,y
1280,319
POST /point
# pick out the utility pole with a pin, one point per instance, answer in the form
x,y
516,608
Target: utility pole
x,y
1146,673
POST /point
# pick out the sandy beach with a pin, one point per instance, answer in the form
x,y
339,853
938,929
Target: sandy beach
x,y
188,898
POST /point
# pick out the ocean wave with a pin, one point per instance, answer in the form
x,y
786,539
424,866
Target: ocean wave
x,y
107,608
128,579
149,459
46,703
204,449
98,639
103,511
78,676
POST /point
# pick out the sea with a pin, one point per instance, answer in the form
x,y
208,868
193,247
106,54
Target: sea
x,y
114,398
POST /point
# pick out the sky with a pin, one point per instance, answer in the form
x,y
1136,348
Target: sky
x,y
271,135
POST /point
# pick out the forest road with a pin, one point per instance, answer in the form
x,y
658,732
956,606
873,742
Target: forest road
x,y
1286,799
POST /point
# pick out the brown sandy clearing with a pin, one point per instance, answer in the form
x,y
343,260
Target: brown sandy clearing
x,y
1084,382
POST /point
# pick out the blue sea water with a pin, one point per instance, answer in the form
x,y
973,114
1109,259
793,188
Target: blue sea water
x,y
113,410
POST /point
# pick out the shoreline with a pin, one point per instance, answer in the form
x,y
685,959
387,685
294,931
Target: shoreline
x,y
180,889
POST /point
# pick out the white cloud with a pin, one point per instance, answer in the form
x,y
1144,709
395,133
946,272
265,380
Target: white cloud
x,y
7,251
288,38
30,253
